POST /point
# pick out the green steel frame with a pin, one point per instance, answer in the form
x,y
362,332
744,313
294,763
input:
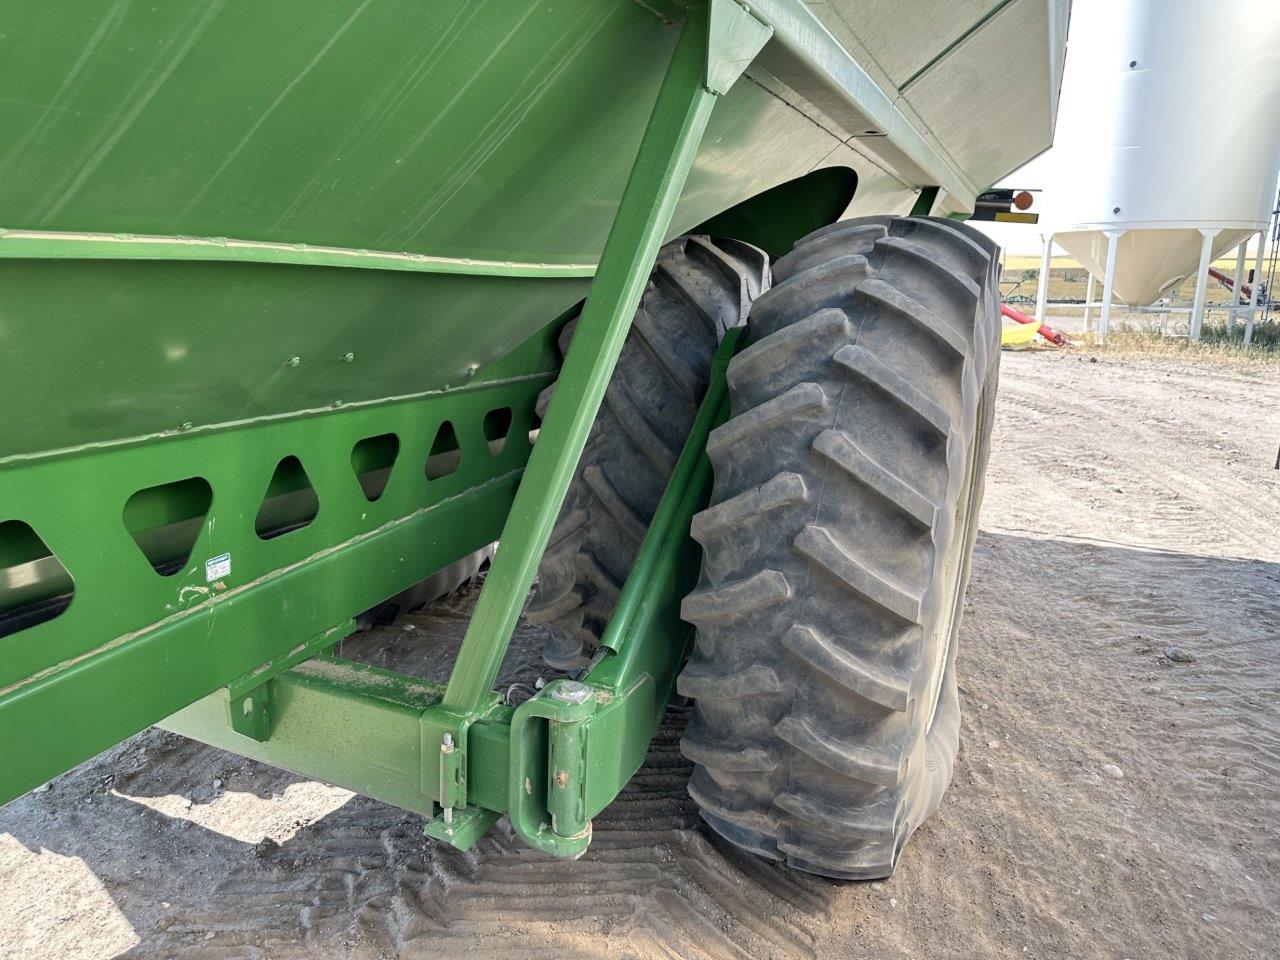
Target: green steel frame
x,y
287,589
328,716
247,664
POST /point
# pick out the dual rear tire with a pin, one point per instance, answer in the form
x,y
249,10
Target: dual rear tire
x,y
836,546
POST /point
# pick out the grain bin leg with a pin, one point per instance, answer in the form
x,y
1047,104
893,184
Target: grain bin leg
x,y
1202,283
1042,282
1088,303
1235,287
1253,288
1108,283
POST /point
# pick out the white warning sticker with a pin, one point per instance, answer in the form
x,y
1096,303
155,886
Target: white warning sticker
x,y
219,568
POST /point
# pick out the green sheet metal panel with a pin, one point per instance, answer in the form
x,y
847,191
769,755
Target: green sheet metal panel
x,y
470,129
97,351
464,130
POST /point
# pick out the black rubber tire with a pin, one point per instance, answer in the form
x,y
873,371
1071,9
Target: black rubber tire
x,y
699,288
837,545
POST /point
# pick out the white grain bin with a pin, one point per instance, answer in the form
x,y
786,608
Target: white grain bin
x,y
1168,130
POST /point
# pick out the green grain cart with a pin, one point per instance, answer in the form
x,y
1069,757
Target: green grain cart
x,y
301,304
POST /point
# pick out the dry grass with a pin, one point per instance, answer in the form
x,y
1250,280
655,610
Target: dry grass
x,y
1216,348
1137,335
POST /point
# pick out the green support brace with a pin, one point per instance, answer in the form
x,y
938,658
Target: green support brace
x,y
249,698
923,206
640,599
649,643
715,46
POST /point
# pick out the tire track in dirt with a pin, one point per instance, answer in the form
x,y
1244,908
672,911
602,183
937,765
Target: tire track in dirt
x,y
364,882
1154,408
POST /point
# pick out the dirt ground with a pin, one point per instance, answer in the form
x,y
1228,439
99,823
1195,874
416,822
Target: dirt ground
x,y
1108,802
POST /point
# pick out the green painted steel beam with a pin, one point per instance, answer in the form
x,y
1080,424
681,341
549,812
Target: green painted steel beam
x,y
924,202
138,681
346,723
598,739
638,603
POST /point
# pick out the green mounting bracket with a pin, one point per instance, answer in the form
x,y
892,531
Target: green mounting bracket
x,y
560,790
249,698
449,771
463,828
734,38
250,715
445,740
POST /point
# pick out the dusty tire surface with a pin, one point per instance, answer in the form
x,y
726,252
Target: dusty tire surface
x,y
837,545
699,288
